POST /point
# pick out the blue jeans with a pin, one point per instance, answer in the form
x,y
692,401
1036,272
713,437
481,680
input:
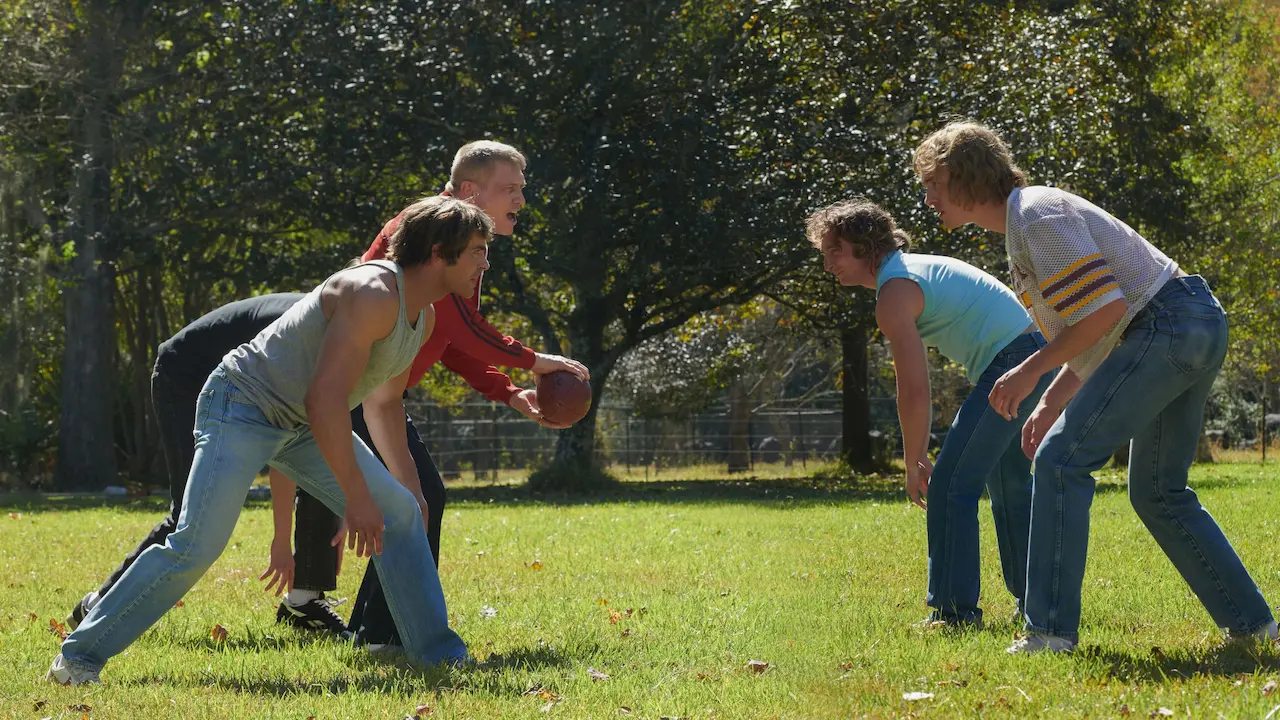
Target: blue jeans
x,y
233,440
1151,389
982,449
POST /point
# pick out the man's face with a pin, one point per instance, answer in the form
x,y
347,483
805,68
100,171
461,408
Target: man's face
x,y
461,277
937,195
500,196
838,259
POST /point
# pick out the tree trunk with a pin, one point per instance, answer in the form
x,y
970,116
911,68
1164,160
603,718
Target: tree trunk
x,y
86,433
739,429
856,413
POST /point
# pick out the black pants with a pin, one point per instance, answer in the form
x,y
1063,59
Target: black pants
x,y
371,618
173,396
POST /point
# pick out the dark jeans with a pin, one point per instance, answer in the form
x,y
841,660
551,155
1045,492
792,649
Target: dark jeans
x,y
370,618
173,395
982,450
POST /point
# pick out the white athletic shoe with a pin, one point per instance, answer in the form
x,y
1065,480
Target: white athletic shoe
x,y
63,674
1034,643
1265,634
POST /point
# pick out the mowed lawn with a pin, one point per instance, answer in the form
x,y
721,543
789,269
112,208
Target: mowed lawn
x,y
653,602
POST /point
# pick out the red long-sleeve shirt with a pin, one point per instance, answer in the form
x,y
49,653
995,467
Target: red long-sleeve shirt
x,y
462,339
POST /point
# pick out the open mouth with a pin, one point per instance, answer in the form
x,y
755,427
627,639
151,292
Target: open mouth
x,y
512,217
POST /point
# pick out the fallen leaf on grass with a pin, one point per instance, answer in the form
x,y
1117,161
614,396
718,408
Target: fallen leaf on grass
x,y
15,516
32,617
602,601
57,628
1162,712
626,633
624,710
39,705
179,604
596,675
914,696
953,667
218,633
614,617
422,711
845,666
535,565
1269,688
757,666
1125,711
80,708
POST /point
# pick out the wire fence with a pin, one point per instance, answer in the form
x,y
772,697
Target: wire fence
x,y
484,438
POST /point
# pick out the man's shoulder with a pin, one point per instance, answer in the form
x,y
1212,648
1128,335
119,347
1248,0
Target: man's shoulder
x,y
367,289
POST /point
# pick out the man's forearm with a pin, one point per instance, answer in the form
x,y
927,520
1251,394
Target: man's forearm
x,y
1061,390
1075,339
330,422
386,423
282,493
914,415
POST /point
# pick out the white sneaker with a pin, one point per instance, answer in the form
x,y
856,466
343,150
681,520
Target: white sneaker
x,y
63,674
1265,634
1034,643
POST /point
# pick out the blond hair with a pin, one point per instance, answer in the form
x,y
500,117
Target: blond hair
x,y
979,165
475,160
866,226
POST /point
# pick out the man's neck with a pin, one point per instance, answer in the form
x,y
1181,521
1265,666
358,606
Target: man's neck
x,y
993,217
422,287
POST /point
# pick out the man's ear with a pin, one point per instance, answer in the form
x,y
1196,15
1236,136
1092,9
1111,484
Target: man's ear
x,y
466,190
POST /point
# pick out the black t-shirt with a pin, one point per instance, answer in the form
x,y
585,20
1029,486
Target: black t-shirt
x,y
189,356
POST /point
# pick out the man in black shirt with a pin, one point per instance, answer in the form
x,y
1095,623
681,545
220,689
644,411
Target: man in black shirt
x,y
183,364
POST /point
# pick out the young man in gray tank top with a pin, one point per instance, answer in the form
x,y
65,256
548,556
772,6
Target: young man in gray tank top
x,y
284,399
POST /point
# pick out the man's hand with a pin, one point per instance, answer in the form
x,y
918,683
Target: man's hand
x,y
526,403
918,474
279,568
551,363
364,525
1042,418
1011,389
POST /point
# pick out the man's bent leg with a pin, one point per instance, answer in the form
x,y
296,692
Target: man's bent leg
x,y
233,440
405,566
175,407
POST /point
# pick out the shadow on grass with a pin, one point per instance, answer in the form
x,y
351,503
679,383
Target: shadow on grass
x,y
1156,666
377,674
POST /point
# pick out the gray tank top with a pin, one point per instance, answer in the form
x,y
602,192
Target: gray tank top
x,y
275,368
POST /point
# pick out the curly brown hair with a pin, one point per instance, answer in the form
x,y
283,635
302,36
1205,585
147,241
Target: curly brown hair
x,y
440,221
866,226
979,165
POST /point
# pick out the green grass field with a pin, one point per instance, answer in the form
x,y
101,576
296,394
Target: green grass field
x,y
670,588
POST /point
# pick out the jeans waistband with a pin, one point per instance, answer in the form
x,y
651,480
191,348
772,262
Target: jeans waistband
x,y
1173,290
1024,343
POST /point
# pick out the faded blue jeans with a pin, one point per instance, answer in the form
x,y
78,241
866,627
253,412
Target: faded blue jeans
x,y
233,441
1151,389
982,449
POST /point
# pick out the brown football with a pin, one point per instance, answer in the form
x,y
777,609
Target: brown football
x,y
563,397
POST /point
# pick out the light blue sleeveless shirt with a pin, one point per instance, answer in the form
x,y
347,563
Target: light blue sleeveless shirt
x,y
968,314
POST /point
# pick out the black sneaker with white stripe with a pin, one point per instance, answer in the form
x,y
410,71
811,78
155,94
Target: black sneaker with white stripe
x,y
314,614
